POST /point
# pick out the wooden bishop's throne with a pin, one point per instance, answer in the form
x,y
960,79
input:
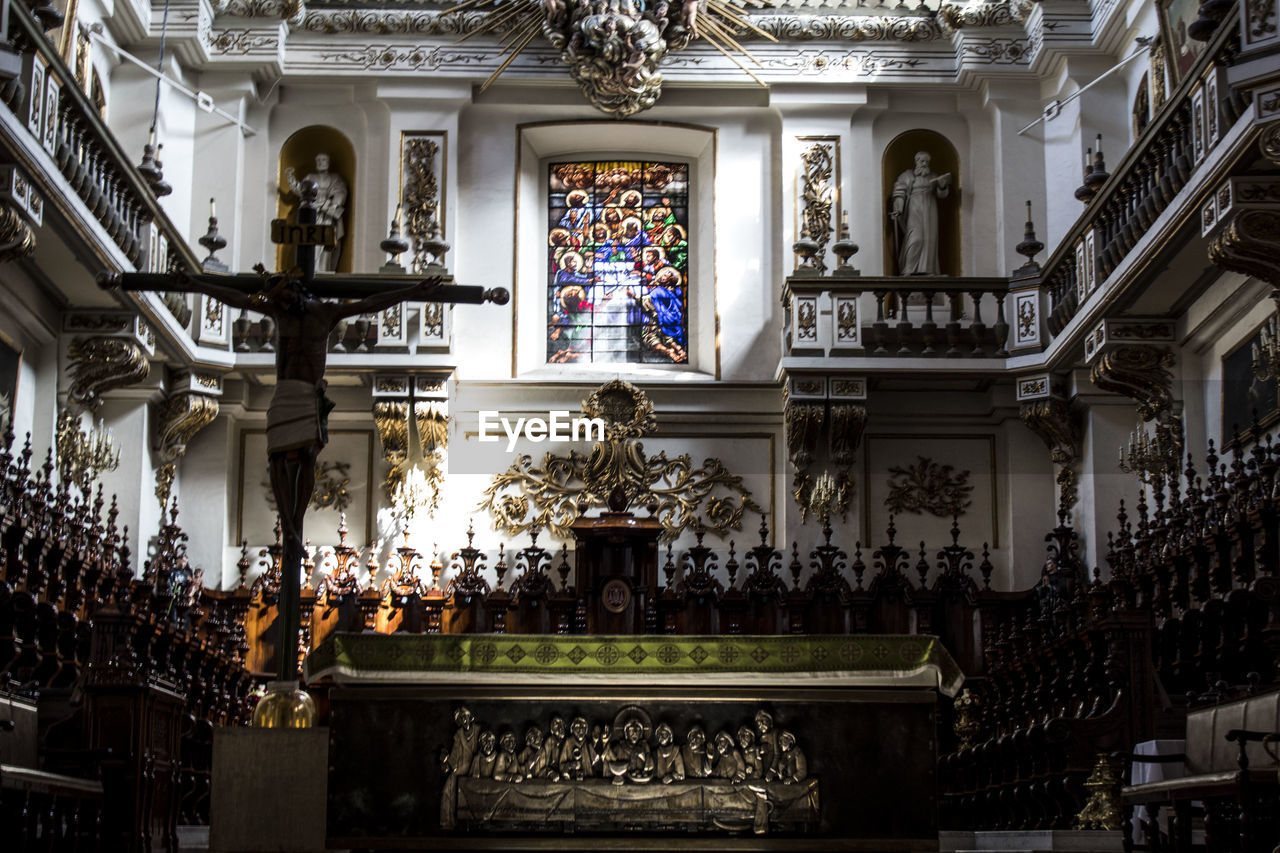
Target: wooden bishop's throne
x,y
617,567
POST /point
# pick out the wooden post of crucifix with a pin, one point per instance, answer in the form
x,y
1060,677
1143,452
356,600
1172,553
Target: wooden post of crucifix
x,y
297,415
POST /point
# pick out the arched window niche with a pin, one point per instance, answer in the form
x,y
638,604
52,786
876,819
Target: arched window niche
x,y
299,153
899,157
638,303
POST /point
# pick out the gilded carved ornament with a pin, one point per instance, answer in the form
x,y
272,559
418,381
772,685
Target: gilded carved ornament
x,y
928,486
818,192
181,416
617,471
421,199
17,240
1139,372
1250,243
100,363
1052,420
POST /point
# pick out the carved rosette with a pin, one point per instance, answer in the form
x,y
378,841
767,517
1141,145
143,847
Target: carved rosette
x,y
1139,372
101,363
1250,244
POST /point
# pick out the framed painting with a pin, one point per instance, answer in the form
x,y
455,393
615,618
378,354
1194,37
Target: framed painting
x,y
1180,49
1244,395
10,365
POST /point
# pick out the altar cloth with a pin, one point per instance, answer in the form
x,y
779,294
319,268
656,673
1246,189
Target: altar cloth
x,y
835,660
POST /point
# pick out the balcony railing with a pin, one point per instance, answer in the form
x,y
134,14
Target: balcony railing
x,y
61,120
833,316
1146,181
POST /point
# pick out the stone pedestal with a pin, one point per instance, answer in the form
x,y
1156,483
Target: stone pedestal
x,y
268,790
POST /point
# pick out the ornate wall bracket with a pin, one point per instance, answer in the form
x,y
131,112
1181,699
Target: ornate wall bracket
x,y
100,362
1050,417
190,407
617,474
1141,372
1243,220
416,476
21,210
828,410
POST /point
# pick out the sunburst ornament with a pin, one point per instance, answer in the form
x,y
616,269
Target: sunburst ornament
x,y
614,47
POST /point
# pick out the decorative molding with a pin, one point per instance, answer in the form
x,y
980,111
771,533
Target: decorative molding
x,y
100,363
845,28
956,16
411,58
1111,333
21,210
1037,387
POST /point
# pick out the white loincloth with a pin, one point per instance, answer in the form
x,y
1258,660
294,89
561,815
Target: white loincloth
x,y
293,418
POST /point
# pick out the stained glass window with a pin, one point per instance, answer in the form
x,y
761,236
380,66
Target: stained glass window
x,y
618,262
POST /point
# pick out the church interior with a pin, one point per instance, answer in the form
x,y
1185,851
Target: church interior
x,y
615,424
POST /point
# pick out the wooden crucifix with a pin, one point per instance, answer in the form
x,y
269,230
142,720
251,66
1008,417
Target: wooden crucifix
x,y
297,414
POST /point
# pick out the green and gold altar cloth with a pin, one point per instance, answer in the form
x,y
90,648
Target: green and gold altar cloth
x,y
889,660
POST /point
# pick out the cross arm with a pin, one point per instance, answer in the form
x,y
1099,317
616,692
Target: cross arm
x,y
332,287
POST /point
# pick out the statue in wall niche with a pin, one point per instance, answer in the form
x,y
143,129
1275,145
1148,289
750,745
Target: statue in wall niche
x,y
914,211
330,205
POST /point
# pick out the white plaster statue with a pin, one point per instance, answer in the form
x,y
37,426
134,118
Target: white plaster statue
x,y
331,205
914,211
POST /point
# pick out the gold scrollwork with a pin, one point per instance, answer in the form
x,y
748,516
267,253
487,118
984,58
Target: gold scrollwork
x,y
421,197
16,237
180,418
1250,244
803,423
1140,372
101,363
1052,420
818,193
618,471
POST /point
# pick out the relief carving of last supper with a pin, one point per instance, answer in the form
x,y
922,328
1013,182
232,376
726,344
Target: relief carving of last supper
x,y
627,773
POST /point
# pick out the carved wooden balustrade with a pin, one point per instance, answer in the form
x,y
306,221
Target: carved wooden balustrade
x,y
1147,179
155,662
66,136
834,316
769,591
1192,604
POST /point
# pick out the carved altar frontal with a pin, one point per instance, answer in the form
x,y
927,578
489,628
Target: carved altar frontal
x,y
598,805
642,755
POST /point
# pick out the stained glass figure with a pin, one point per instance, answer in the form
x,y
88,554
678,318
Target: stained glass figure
x,y
618,262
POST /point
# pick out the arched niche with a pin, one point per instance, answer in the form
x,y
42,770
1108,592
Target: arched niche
x,y
299,152
899,156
